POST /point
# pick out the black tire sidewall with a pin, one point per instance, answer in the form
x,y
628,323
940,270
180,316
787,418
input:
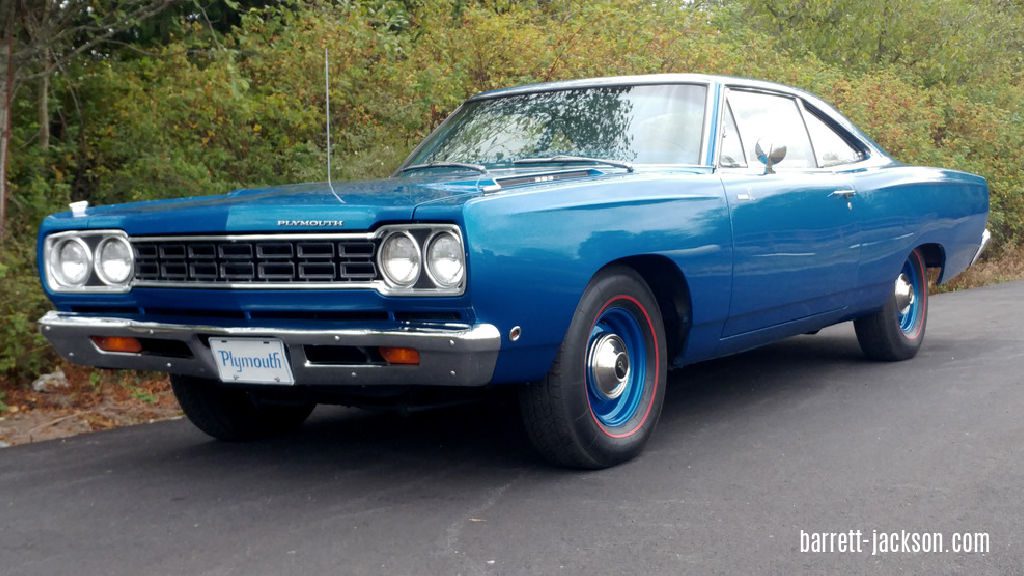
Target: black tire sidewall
x,y
910,344
230,413
625,288
879,333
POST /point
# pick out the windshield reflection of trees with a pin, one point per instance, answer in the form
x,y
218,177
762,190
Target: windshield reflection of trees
x,y
592,122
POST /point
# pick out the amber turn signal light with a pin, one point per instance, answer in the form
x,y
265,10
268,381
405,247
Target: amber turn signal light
x,y
121,344
400,355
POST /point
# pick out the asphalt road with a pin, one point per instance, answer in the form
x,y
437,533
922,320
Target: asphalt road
x,y
800,435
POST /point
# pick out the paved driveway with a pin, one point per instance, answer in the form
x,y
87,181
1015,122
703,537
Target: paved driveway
x,y
801,435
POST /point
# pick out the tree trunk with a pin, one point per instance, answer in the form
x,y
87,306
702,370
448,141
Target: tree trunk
x,y
44,112
6,93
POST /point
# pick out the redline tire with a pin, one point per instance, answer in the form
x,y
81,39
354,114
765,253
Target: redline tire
x,y
592,414
893,334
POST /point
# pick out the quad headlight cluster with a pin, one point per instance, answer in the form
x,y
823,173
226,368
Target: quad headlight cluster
x,y
89,261
422,259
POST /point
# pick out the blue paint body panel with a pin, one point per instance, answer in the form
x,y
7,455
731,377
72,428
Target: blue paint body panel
x,y
764,256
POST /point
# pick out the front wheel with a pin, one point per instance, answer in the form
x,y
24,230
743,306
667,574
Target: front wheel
x,y
897,330
599,404
234,414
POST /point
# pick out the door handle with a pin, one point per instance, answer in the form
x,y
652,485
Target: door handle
x,y
847,194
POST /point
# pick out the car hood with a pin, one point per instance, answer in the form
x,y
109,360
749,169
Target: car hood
x,y
314,206
348,206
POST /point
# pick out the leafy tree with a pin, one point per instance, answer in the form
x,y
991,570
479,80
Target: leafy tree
x,y
42,36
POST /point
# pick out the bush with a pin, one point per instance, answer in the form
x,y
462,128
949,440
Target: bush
x,y
177,119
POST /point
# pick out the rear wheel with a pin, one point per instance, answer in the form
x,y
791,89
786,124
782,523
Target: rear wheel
x,y
234,414
600,402
897,330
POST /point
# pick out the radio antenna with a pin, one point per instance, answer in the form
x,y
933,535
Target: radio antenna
x,y
327,90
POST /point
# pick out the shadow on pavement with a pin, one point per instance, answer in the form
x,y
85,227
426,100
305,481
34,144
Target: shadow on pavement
x,y
488,435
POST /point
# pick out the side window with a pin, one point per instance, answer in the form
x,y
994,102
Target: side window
x,y
732,146
830,148
776,119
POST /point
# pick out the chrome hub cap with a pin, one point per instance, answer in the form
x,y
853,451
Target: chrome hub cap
x,y
609,363
904,294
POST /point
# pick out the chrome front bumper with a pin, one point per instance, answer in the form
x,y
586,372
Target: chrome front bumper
x,y
460,356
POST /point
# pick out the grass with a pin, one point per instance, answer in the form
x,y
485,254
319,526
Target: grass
x,y
1003,266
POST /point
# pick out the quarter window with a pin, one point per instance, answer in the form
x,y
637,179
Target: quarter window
x,y
732,145
774,119
829,147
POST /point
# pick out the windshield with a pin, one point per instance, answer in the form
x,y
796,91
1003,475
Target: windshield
x,y
639,124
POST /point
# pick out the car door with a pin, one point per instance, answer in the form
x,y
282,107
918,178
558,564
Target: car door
x,y
793,229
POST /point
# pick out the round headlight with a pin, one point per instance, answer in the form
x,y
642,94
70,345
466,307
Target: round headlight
x,y
70,262
115,260
445,260
400,259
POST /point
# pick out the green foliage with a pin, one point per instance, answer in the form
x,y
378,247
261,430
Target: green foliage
x,y
196,107
22,348
936,41
143,394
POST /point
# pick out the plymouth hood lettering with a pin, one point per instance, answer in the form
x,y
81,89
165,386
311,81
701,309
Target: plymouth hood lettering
x,y
312,223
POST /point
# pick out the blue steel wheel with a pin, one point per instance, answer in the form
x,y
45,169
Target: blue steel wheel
x,y
601,400
897,330
910,298
616,364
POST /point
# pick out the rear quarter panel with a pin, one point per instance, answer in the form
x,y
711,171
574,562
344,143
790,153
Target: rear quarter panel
x,y
903,207
533,250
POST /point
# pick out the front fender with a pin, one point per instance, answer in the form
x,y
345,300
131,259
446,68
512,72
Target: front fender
x,y
533,250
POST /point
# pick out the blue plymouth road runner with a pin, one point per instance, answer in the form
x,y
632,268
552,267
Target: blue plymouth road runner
x,y
578,239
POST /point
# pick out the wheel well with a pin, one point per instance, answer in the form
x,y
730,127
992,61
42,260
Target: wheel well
x,y
670,289
934,257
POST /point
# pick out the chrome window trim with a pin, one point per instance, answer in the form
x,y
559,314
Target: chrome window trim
x,y
597,83
755,166
725,108
843,135
807,130
752,167
707,127
381,286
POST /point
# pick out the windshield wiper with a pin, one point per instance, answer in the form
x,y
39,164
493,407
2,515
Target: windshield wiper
x,y
566,159
478,167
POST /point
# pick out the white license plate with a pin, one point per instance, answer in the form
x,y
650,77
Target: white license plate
x,y
251,360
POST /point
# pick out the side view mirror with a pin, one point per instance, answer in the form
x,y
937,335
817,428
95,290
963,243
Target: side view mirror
x,y
769,154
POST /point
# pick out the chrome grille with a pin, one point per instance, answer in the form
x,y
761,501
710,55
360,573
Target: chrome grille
x,y
267,260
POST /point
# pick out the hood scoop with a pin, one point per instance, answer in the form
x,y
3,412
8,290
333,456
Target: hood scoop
x,y
504,182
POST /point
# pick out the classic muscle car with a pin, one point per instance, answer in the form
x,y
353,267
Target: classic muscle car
x,y
577,239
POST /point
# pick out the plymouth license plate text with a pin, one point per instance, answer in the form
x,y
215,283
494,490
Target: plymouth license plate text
x,y
251,360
